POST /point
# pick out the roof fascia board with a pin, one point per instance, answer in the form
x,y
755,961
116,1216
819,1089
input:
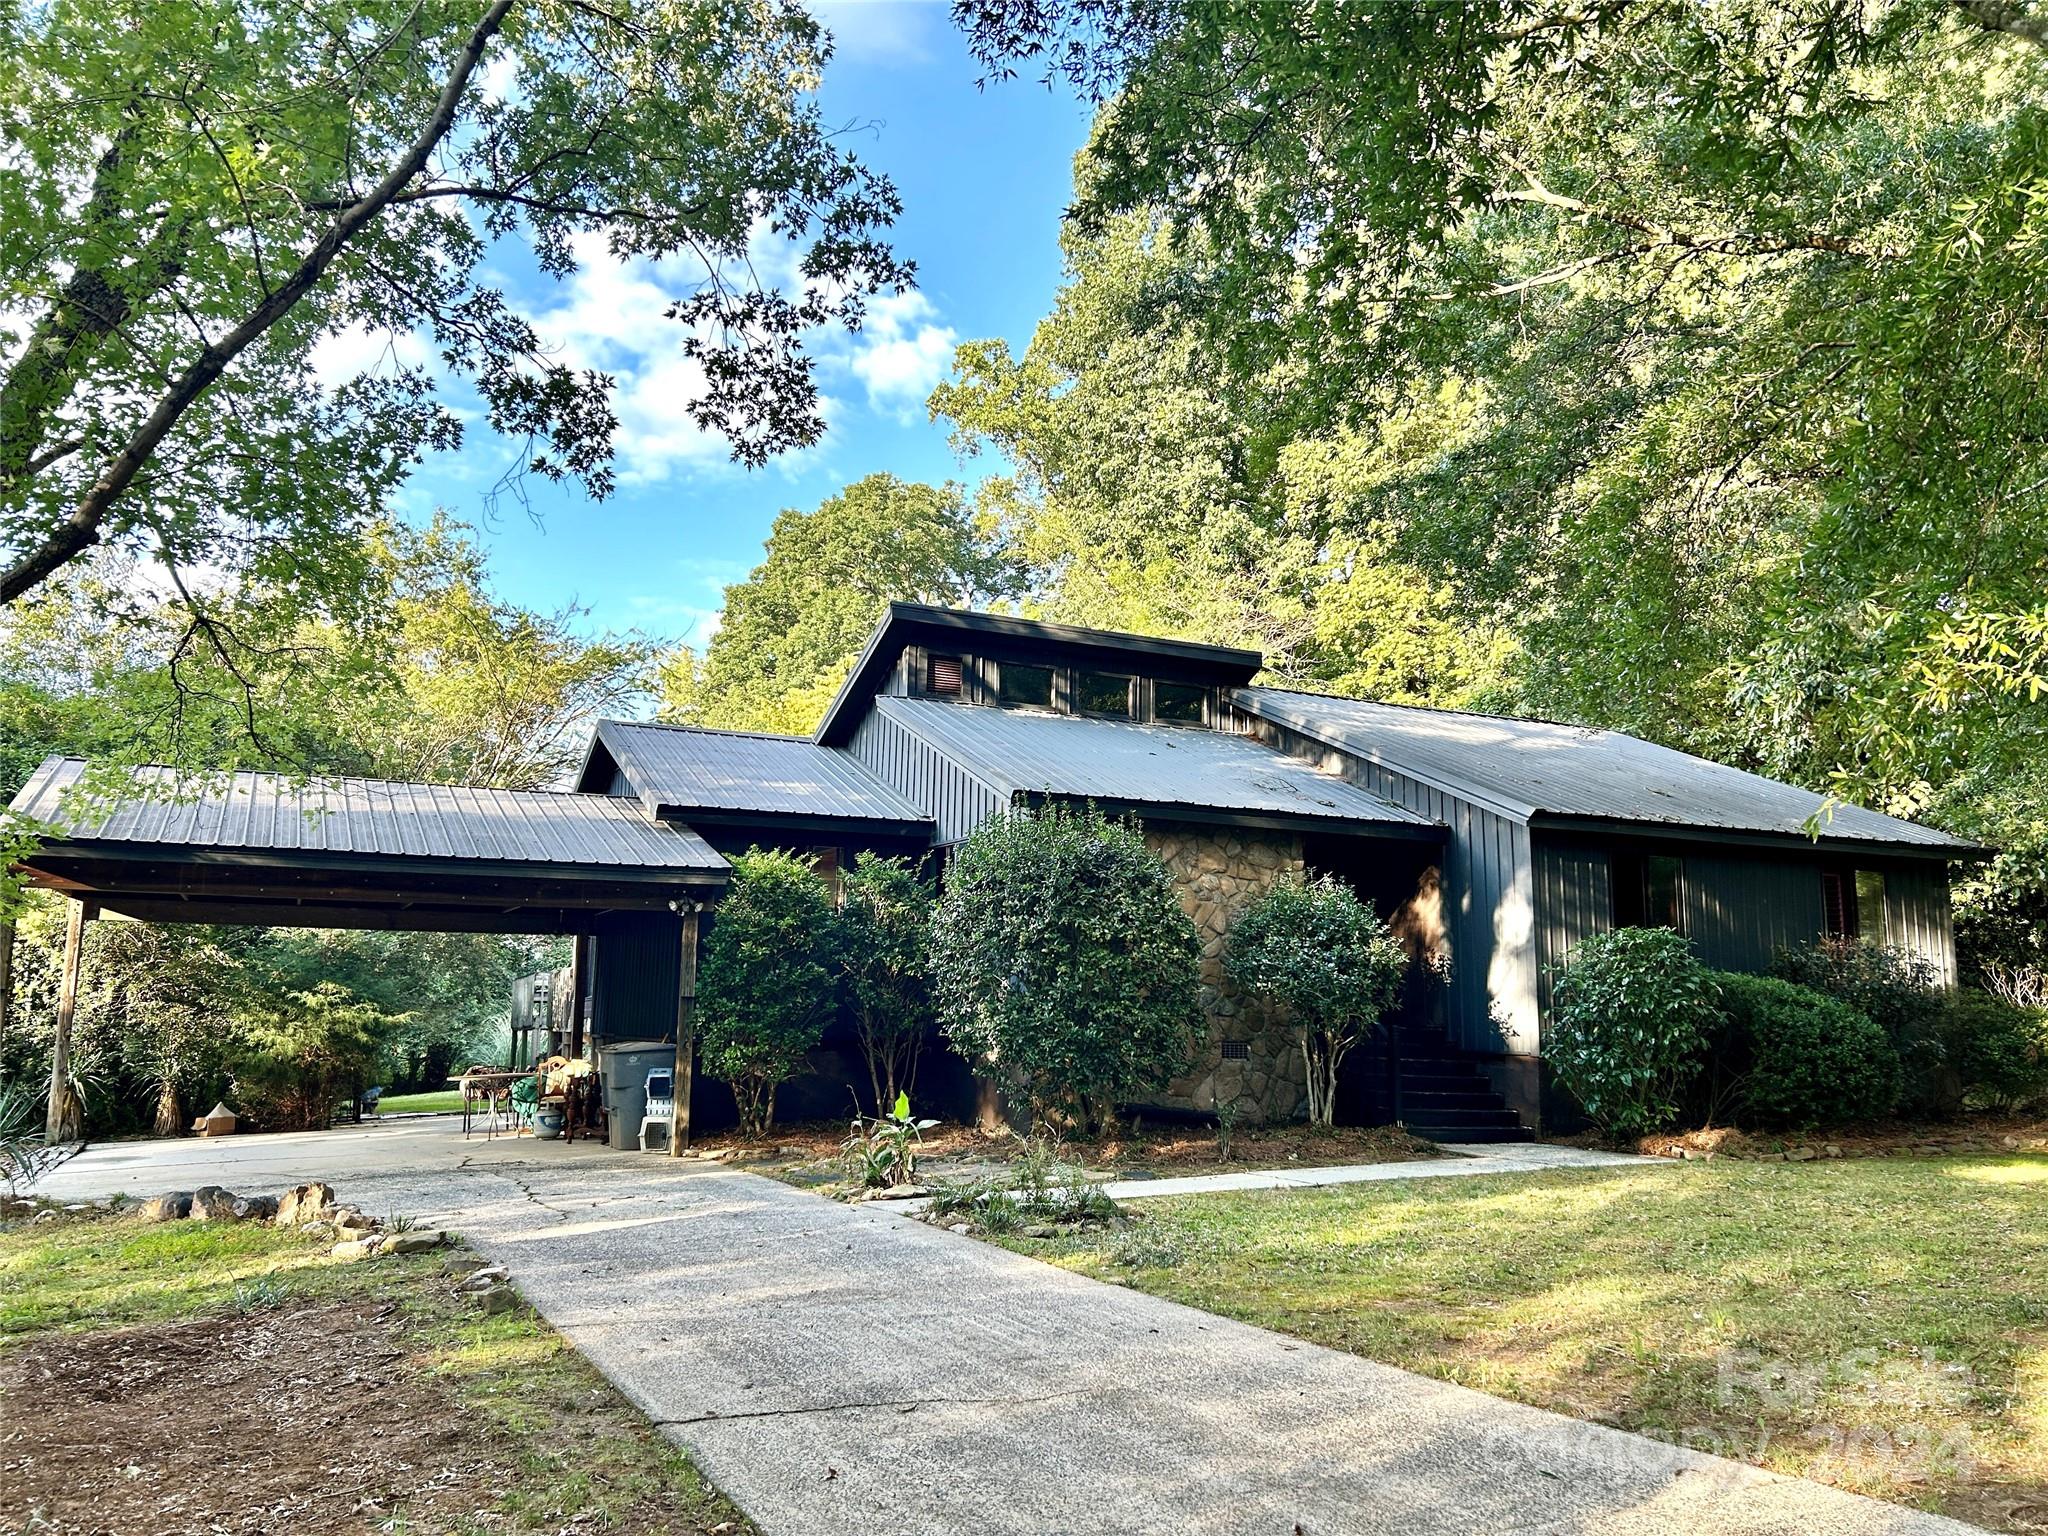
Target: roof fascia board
x,y
700,816
1613,826
1272,821
322,861
1467,791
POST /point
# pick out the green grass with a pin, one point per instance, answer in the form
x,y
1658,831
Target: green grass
x,y
421,1103
1882,1325
521,1396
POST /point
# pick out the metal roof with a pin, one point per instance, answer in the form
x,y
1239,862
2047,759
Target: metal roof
x,y
1536,768
267,812
1120,761
908,623
684,769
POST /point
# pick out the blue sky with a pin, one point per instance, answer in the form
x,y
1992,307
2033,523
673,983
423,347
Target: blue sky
x,y
984,176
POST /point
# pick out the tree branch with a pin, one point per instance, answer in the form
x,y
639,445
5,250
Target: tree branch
x,y
81,529
2008,17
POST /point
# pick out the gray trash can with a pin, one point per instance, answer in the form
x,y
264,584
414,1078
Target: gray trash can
x,y
624,1065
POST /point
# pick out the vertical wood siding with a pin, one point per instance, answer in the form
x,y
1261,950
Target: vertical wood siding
x,y
1917,917
635,975
1742,908
956,801
1489,896
1574,901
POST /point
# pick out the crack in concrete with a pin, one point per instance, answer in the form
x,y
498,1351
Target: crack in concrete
x,y
905,1403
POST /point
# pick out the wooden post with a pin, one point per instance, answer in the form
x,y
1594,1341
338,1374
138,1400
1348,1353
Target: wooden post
x,y
686,1026
66,1120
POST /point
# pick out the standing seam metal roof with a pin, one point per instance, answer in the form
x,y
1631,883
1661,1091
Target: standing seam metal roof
x,y
1017,750
686,768
270,813
1531,768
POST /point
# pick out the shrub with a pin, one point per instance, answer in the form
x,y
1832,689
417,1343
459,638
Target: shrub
x,y
1630,1012
1813,1059
766,988
1324,956
1900,993
1999,1050
884,948
300,1051
1061,958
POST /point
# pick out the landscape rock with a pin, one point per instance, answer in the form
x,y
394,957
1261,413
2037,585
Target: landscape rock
x,y
349,1219
412,1242
175,1205
304,1203
481,1281
212,1203
499,1298
256,1208
960,1227
354,1248
465,1264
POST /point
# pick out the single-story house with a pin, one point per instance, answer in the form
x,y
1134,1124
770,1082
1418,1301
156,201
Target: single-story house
x,y
1492,845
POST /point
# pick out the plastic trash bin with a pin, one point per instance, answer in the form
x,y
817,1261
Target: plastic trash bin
x,y
625,1065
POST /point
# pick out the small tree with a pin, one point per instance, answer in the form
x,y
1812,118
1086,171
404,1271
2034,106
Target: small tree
x,y
1631,1012
1325,958
884,949
1061,957
766,988
301,1049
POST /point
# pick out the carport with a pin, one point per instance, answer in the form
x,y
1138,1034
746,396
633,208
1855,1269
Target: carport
x,y
265,849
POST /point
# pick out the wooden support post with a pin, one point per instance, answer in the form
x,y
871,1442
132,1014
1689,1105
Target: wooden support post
x,y
686,1026
66,1121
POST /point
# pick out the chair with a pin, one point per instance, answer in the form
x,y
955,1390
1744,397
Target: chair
x,y
661,1104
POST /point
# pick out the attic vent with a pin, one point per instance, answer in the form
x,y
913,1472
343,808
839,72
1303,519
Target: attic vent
x,y
1237,1050
942,676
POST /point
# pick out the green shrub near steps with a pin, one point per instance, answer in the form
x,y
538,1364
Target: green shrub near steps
x,y
1812,1059
1631,1011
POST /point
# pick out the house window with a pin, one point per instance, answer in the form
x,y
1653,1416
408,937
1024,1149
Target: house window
x,y
1649,890
1180,703
1103,693
1852,904
1870,905
1026,685
942,676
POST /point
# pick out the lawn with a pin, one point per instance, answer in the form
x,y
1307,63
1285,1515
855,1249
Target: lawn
x,y
429,1416
1881,1325
448,1103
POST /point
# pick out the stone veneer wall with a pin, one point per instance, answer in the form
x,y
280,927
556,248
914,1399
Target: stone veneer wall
x,y
1218,872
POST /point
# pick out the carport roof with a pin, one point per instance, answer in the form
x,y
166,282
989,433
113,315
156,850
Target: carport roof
x,y
352,853
267,811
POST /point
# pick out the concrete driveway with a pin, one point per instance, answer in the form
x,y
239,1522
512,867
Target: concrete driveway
x,y
840,1369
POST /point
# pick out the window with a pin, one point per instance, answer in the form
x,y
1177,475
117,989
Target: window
x,y
1181,703
1102,693
942,676
1649,890
1237,1050
1870,905
1026,685
1852,904
1837,917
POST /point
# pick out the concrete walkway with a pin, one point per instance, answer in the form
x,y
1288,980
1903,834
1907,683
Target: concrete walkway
x,y
1461,1162
838,1369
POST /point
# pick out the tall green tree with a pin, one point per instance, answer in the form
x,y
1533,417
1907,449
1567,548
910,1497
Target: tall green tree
x,y
790,631
198,192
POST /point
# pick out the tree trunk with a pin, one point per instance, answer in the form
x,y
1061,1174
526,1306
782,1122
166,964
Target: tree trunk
x,y
66,1120
170,1118
6,984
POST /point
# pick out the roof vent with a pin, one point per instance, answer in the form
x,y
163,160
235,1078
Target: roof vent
x,y
942,676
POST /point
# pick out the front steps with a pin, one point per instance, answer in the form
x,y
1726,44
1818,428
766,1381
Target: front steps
x,y
1444,1094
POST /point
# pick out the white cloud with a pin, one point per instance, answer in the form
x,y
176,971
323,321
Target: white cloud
x,y
348,354
610,319
901,352
898,31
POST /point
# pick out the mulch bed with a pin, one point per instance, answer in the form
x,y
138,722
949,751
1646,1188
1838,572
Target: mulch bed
x,y
952,1148
1976,1135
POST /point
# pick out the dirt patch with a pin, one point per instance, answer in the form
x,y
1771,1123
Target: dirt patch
x,y
956,1151
1977,1135
307,1418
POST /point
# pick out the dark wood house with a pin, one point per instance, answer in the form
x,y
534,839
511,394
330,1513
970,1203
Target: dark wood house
x,y
1492,845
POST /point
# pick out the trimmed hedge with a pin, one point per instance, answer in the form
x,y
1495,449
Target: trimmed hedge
x,y
1812,1059
1901,994
1999,1050
1630,1012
